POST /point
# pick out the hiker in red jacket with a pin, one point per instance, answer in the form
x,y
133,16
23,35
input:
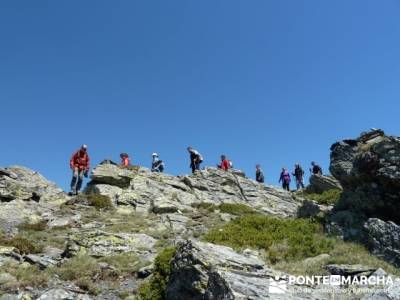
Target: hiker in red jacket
x,y
80,164
125,160
225,164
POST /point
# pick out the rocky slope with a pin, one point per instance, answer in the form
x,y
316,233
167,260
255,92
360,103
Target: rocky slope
x,y
108,242
368,168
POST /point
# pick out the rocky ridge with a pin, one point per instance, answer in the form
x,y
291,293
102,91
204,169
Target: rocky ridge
x,y
85,252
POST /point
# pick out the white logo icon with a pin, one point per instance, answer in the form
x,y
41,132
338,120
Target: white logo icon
x,y
277,286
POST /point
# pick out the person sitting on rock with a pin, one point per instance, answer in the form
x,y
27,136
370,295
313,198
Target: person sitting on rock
x,y
259,174
299,175
316,169
285,179
225,163
195,159
157,165
80,164
125,160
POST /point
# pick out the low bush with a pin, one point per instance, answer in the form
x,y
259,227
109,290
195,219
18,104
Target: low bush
x,y
236,209
154,289
330,197
23,245
38,226
99,201
282,239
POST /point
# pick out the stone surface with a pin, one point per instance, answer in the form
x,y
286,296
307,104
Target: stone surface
x,y
207,271
99,243
161,193
322,183
26,196
383,239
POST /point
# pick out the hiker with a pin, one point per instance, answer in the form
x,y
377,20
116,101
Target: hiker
x,y
285,179
299,175
157,165
316,169
195,159
125,160
225,163
259,174
80,164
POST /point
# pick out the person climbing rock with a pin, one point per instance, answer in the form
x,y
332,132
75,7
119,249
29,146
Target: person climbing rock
x,y
125,160
299,175
259,174
316,169
195,159
225,163
80,164
157,165
285,179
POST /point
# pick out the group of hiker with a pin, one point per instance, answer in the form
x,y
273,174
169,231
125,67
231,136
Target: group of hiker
x,y
80,165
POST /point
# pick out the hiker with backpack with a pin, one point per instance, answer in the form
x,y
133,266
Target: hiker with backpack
x,y
299,175
225,163
316,169
80,164
259,174
285,179
125,160
157,165
195,159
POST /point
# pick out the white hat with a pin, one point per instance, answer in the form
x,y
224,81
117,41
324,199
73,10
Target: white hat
x,y
154,154
84,146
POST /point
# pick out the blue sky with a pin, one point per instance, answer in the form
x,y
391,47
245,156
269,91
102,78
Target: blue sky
x,y
269,82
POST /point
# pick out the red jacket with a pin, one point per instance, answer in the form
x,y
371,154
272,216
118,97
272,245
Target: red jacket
x,y
80,160
225,165
125,162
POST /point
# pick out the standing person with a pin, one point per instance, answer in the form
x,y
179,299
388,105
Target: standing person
x,y
299,174
80,164
316,169
225,163
259,174
285,179
157,165
195,159
125,160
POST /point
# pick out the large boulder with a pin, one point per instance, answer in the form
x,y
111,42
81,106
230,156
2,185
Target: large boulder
x,y
322,183
368,168
207,271
144,191
384,239
26,196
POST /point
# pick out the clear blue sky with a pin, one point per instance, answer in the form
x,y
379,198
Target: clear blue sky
x,y
270,82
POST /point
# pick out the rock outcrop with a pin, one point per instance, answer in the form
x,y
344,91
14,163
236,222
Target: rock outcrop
x,y
322,183
383,239
26,196
368,168
141,190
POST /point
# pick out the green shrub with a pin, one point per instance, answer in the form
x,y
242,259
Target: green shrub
x,y
39,226
229,208
99,201
205,206
236,209
154,289
22,244
282,239
330,197
26,275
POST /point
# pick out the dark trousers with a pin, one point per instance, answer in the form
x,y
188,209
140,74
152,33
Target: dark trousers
x,y
285,186
195,166
299,183
77,179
